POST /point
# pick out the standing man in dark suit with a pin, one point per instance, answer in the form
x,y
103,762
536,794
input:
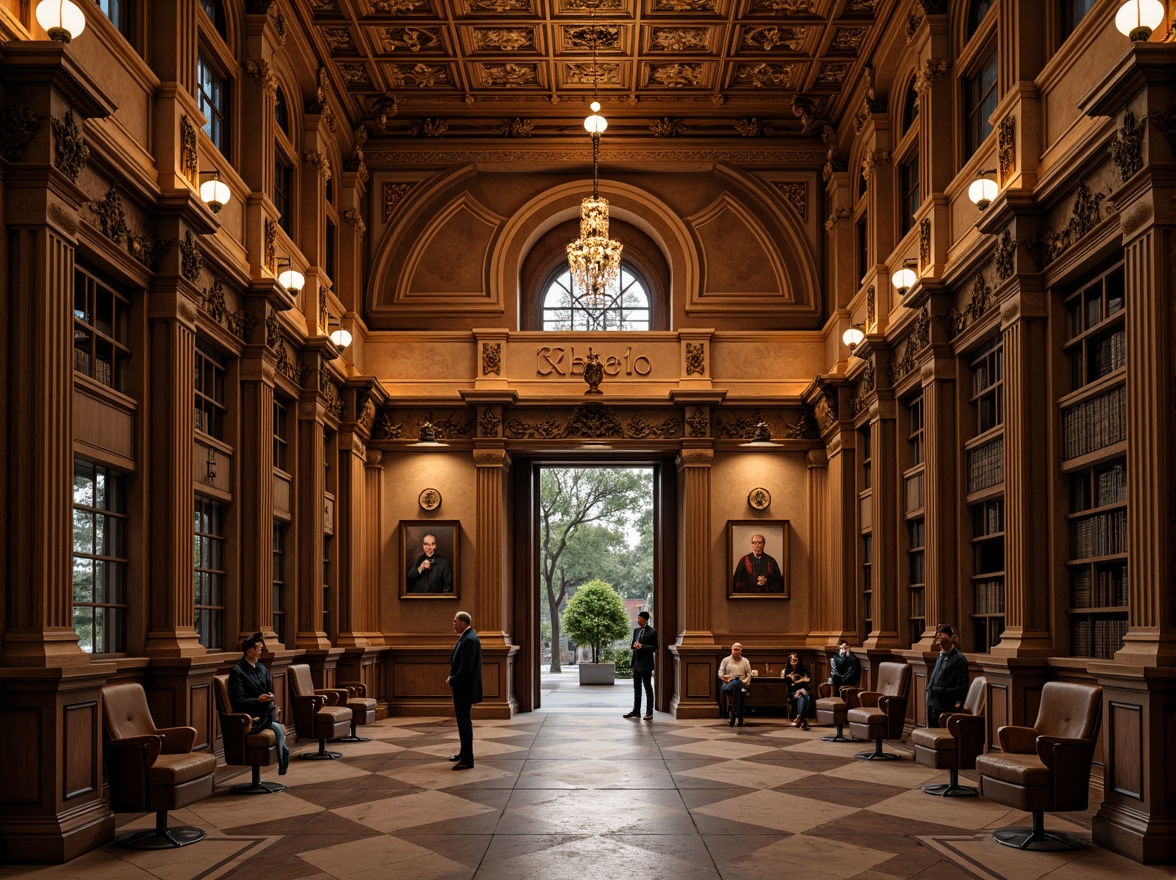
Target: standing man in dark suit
x,y
644,651
948,682
465,680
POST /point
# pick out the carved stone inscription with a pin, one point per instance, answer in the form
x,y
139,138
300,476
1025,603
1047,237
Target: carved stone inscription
x,y
561,361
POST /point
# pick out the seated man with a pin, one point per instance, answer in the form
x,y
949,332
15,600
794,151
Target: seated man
x,y
252,691
735,672
844,669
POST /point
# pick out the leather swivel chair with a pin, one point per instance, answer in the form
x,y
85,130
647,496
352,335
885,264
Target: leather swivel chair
x,y
152,769
955,744
318,714
242,748
834,709
353,695
881,713
1046,766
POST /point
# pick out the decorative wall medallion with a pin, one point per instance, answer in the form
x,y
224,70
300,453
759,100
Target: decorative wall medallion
x,y
18,124
698,423
71,152
393,193
695,358
489,423
1126,147
191,260
491,358
429,499
759,498
111,218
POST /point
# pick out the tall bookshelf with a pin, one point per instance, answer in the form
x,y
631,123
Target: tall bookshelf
x,y
866,521
1094,461
914,518
984,457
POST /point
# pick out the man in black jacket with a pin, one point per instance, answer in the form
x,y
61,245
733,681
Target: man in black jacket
x,y
948,682
251,690
844,668
465,680
644,651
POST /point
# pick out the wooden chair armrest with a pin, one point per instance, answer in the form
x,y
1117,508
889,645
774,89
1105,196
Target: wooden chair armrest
x,y
868,698
177,740
1055,750
850,693
354,688
335,696
134,751
236,723
824,689
1017,740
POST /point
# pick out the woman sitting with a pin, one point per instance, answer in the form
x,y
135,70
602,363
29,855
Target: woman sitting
x,y
797,676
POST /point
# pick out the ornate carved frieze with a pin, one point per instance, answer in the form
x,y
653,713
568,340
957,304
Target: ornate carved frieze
x,y
833,162
752,128
785,7
292,369
667,127
518,127
70,152
933,70
684,5
924,243
18,125
680,39
191,258
1006,248
1165,121
773,37
489,422
592,421
740,426
319,162
804,109
393,193
1006,147
271,244
1048,245
825,409
849,39
839,215
215,304
678,75
63,217
602,37
273,335
432,128
600,74
510,75
698,423
695,359
804,428
491,358
420,75
503,39
367,414
873,160
870,306
148,248
796,194
912,24
833,74
323,312
331,392
387,428
189,151
863,390
382,109
646,156
496,5
111,218
321,93
261,71
971,311
278,20
916,341
1126,146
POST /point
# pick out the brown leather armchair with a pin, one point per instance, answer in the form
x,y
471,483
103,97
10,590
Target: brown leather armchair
x,y
956,743
1046,766
318,714
834,709
242,748
881,713
152,769
363,709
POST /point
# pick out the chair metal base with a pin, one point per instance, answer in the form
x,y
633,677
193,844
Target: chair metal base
x,y
877,754
322,754
948,789
840,737
162,837
353,737
1037,839
256,786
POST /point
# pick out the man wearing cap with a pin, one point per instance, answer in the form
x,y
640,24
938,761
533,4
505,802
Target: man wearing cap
x,y
948,682
644,650
251,690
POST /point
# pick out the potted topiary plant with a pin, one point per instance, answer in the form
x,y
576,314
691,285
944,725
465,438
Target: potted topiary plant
x,y
596,616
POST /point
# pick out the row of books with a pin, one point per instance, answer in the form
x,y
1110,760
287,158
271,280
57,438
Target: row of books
x,y
1110,354
1100,637
1104,534
1105,589
1111,485
989,597
986,465
1095,423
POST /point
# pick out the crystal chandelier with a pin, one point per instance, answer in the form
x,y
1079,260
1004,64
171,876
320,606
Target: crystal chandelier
x,y
594,259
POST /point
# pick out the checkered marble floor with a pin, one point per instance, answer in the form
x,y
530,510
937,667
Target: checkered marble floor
x,y
590,795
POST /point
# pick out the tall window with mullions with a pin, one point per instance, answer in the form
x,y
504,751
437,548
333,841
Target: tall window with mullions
x,y
622,305
209,568
99,558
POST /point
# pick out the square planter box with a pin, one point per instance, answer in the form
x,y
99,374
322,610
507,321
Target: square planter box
x,y
598,673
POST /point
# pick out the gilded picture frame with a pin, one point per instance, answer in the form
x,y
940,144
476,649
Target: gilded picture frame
x,y
749,578
429,581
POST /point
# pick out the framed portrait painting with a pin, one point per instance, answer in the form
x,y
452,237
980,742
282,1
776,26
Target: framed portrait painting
x,y
757,554
428,559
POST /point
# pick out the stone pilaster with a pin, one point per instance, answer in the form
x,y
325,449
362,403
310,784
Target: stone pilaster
x,y
942,589
492,593
311,489
256,481
884,515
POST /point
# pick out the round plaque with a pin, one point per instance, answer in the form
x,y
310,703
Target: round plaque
x,y
430,499
759,498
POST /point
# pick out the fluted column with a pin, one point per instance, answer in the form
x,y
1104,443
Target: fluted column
x,y
1026,458
884,512
490,539
312,450
352,538
825,545
256,454
694,467
942,587
374,514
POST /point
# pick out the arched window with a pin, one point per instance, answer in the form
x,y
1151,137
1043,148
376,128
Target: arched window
x,y
910,108
977,12
624,304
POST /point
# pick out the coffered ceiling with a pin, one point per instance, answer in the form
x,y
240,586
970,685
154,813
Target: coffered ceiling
x,y
522,68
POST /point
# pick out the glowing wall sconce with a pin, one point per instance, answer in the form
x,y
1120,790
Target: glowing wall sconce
x,y
983,190
852,337
904,279
290,278
214,192
1137,19
340,336
61,19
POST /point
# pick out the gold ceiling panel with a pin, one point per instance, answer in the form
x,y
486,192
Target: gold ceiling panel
x,y
685,64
